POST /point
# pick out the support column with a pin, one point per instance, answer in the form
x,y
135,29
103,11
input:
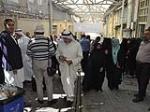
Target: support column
x,y
122,13
148,18
50,10
129,18
137,19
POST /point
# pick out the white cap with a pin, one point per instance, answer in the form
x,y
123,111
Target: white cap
x,y
39,29
18,30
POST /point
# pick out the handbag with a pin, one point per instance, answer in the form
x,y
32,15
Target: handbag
x,y
51,70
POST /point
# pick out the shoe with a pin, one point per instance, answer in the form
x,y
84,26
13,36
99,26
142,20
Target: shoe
x,y
137,95
111,88
65,98
116,88
69,103
40,101
27,104
137,99
52,102
99,90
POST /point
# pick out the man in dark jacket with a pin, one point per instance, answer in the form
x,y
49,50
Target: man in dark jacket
x,y
2,76
11,53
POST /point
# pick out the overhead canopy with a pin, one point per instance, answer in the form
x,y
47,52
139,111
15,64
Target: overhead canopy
x,y
85,10
88,10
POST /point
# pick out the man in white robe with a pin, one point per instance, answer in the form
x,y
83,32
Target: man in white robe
x,y
23,41
69,55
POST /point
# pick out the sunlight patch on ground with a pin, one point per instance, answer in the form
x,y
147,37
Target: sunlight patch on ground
x,y
55,96
46,109
49,109
27,109
65,109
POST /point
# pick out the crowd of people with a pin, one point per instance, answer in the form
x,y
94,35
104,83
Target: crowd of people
x,y
23,57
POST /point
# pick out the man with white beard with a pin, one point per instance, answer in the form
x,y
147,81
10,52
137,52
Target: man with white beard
x,y
23,41
69,55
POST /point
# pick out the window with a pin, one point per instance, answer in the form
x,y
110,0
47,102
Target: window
x,y
147,10
143,19
147,2
142,28
142,4
54,29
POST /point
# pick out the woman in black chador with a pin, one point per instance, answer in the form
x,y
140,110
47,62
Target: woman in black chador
x,y
96,73
113,68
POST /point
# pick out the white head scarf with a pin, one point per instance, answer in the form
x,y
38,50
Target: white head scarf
x,y
67,34
19,31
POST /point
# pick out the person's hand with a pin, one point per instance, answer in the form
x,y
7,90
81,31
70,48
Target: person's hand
x,y
62,58
118,66
14,72
101,69
128,51
69,62
106,52
126,57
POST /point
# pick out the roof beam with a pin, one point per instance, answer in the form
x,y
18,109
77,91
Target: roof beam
x,y
90,4
88,12
89,9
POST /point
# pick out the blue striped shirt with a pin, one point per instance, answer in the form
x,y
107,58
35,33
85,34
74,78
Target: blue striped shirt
x,y
85,44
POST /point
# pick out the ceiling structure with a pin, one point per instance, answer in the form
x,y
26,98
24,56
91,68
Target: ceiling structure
x,y
87,10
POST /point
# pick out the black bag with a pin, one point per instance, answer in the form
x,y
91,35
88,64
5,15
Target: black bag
x,y
51,70
33,84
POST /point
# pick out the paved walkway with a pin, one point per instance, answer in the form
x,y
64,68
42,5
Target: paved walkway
x,y
115,101
106,101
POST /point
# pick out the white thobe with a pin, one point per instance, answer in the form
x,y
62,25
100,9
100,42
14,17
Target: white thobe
x,y
72,52
27,61
14,79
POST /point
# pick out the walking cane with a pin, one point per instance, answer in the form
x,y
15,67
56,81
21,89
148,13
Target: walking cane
x,y
59,108
78,99
76,96
80,91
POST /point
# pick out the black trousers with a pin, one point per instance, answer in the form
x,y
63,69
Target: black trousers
x,y
84,61
2,76
131,66
143,76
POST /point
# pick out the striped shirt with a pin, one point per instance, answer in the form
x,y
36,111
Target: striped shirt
x,y
39,49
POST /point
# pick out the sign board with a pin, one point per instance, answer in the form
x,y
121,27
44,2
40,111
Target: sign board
x,y
88,27
16,1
